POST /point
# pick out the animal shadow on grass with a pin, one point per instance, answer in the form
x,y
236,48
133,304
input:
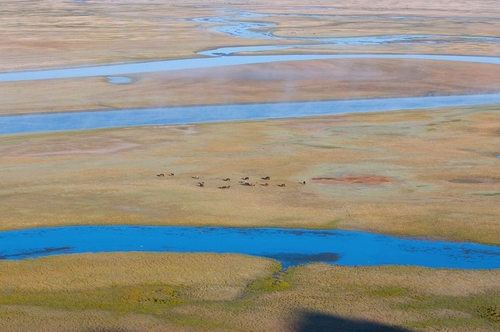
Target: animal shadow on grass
x,y
316,322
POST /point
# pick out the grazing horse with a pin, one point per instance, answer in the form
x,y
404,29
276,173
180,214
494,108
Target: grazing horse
x,y
171,174
160,174
266,178
224,187
281,185
196,177
245,178
264,184
201,184
226,179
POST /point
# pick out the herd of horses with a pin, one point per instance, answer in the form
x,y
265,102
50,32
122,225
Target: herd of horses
x,y
243,181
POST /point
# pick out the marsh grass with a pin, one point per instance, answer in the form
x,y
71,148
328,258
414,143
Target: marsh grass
x,y
489,194
63,33
109,176
268,285
491,312
389,292
477,311
409,297
144,299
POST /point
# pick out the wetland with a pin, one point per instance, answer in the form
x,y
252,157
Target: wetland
x,y
412,171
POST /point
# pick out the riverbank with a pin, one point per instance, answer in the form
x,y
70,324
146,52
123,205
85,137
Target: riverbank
x,y
309,80
437,174
288,246
195,292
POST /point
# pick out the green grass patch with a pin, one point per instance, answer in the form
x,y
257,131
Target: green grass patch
x,y
269,284
470,181
389,292
149,299
153,295
333,224
468,312
491,313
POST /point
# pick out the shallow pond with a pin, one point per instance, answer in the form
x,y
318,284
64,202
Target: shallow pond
x,y
289,246
119,80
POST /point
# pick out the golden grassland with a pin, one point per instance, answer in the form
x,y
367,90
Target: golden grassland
x,y
56,33
275,82
202,292
439,169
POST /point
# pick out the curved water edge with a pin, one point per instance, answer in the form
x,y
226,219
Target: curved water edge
x,y
17,124
237,24
219,58
289,246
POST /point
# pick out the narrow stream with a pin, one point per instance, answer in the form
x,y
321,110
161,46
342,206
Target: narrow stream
x,y
243,24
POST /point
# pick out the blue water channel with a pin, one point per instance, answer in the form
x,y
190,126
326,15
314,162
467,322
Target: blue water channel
x,y
244,24
221,57
288,246
17,124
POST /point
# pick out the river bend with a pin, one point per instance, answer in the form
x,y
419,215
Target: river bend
x,y
289,246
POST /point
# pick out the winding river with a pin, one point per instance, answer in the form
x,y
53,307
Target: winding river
x,y
15,124
289,246
183,115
